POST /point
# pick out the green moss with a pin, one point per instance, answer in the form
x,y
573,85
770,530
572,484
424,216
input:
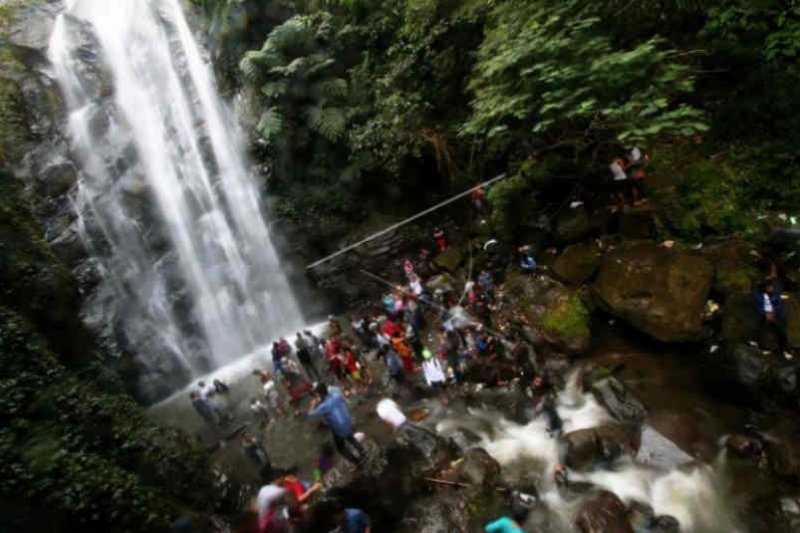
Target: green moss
x,y
92,459
14,131
567,318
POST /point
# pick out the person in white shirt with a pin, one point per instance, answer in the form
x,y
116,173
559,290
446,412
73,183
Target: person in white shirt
x,y
621,183
390,412
433,371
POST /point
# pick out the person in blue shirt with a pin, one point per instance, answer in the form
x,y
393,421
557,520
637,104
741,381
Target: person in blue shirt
x,y
334,409
527,261
509,525
354,521
770,308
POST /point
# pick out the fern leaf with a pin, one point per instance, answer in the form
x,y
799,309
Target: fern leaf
x,y
271,124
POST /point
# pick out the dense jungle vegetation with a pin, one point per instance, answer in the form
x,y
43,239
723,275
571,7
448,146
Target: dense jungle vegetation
x,y
372,104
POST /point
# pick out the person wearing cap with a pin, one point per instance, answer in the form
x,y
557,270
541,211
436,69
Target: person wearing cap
x,y
333,407
433,371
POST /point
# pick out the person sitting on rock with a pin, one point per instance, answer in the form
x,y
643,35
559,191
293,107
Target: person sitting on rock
x,y
527,261
769,305
512,524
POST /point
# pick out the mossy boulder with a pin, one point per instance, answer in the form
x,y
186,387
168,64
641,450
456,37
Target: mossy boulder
x,y
572,225
661,291
578,263
735,270
793,320
450,259
639,222
556,313
740,320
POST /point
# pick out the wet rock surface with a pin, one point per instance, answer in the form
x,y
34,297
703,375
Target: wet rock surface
x,y
604,513
619,400
587,448
578,263
660,291
554,313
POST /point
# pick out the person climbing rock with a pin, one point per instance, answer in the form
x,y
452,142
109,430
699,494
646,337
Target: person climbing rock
x,y
352,520
333,407
512,524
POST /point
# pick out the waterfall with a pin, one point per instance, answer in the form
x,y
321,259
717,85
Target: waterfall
x,y
167,204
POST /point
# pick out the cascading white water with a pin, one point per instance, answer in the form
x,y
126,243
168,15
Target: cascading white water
x,y
166,200
694,494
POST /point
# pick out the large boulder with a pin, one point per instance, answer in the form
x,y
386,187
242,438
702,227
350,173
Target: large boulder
x,y
605,513
740,320
585,448
735,270
554,313
389,480
578,263
748,366
478,468
638,222
572,225
660,291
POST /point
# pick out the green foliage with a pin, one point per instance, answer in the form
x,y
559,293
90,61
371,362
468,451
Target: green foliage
x,y
754,47
549,73
75,453
306,100
91,459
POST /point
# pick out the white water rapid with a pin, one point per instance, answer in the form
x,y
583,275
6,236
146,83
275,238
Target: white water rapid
x,y
694,493
167,202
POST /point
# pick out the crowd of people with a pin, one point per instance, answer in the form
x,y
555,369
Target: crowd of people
x,y
427,335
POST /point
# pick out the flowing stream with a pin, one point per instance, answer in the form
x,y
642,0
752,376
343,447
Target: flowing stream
x,y
695,493
168,205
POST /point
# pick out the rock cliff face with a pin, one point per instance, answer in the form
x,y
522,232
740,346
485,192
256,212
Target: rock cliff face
x,y
35,216
46,266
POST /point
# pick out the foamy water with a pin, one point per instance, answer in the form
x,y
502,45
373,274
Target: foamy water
x,y
695,494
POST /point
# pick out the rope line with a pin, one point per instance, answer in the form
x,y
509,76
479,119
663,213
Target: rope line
x,y
403,222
